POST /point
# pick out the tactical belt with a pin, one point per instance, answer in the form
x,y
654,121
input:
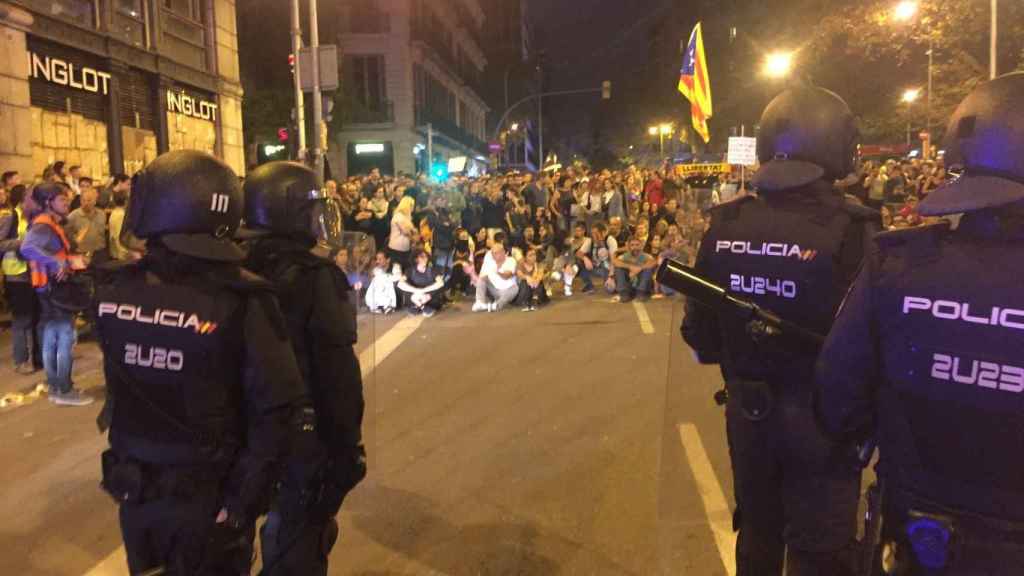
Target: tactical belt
x,y
133,481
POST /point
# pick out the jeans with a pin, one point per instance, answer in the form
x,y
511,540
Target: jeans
x,y
58,338
599,272
24,320
527,294
631,287
485,291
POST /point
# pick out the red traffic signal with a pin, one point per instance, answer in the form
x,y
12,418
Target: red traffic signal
x,y
282,134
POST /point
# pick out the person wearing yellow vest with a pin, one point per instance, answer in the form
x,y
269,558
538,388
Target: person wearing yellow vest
x,y
21,297
47,250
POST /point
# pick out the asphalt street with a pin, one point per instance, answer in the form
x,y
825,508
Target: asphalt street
x,y
578,439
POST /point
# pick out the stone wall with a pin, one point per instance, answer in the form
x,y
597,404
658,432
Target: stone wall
x,y
68,137
232,144
16,152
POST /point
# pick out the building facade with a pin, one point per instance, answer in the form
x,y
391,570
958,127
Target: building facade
x,y
110,84
408,64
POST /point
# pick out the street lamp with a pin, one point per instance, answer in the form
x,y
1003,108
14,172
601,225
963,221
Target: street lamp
x,y
778,64
661,131
905,11
910,95
514,126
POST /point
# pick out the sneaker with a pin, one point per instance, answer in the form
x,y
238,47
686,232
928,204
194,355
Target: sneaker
x,y
481,307
527,308
492,307
388,310
533,307
568,290
588,290
428,312
25,368
616,299
72,398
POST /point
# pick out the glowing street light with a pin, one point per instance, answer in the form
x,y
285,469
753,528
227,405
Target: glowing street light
x,y
661,130
514,126
653,130
910,95
905,11
665,129
778,64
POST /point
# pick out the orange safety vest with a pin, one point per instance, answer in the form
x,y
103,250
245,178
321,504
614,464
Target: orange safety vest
x,y
39,276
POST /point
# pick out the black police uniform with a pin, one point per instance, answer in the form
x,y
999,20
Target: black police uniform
x,y
928,344
202,384
321,319
318,304
182,355
793,253
926,354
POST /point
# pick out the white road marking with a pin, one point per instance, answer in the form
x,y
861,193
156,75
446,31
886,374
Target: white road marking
x,y
645,321
715,505
116,563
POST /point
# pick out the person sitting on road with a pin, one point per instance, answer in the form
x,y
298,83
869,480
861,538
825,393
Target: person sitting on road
x,y
497,286
531,282
597,262
380,295
633,271
566,266
424,287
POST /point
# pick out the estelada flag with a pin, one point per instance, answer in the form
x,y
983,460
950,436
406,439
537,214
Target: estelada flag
x,y
695,84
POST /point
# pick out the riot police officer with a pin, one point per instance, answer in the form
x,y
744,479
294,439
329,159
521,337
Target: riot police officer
x,y
927,349
283,201
793,250
202,383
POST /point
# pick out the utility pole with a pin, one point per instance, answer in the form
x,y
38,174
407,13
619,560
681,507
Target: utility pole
x,y
540,112
318,112
430,150
994,42
300,108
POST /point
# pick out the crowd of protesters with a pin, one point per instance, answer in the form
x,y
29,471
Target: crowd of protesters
x,y
499,241
50,233
517,239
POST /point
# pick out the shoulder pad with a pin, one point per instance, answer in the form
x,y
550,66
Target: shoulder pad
x,y
731,208
859,211
918,235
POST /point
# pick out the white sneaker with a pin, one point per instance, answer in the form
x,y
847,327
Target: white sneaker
x,y
481,307
428,312
568,290
72,398
492,307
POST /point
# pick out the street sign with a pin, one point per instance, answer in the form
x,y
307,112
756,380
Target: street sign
x,y
328,68
742,151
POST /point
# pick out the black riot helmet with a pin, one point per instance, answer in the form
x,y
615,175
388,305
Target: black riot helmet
x,y
285,199
191,201
985,144
807,134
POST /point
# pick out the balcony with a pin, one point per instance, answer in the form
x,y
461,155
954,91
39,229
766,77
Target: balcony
x,y
356,113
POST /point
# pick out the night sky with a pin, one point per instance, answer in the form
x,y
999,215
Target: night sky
x,y
588,41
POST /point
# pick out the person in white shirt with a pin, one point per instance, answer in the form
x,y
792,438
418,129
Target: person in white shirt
x,y
497,286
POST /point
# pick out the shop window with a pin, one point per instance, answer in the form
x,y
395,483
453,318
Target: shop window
x,y
191,9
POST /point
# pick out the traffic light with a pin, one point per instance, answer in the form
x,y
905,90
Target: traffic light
x,y
439,171
291,64
282,134
606,90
